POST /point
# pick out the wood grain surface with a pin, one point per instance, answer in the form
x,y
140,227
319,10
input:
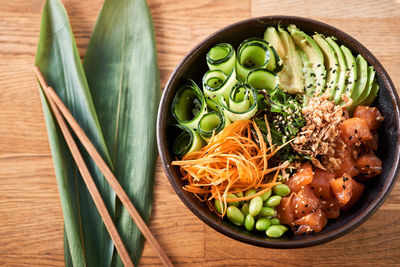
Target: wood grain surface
x,y
31,224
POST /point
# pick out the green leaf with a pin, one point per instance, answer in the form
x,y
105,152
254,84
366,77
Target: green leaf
x,y
86,238
122,72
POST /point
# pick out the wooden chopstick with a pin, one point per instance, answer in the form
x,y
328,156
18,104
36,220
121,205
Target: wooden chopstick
x,y
58,106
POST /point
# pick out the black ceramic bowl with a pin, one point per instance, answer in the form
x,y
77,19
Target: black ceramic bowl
x,y
194,66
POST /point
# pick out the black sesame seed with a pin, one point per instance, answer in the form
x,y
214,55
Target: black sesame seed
x,y
334,71
359,138
355,130
344,187
306,205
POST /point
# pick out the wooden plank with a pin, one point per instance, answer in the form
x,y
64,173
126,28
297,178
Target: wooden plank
x,y
327,9
375,242
30,214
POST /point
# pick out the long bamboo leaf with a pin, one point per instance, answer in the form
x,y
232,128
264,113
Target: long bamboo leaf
x,y
122,72
87,240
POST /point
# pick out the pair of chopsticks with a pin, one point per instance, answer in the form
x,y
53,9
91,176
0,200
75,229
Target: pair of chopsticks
x,y
61,114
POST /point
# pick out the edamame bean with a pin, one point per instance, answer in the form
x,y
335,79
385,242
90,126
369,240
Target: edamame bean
x,y
245,208
273,201
236,203
217,206
249,222
275,221
255,206
266,212
263,224
240,194
281,190
235,216
276,231
250,192
266,195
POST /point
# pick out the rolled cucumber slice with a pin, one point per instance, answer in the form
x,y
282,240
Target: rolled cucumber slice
x,y
188,141
216,82
211,123
361,83
222,57
242,103
212,104
252,54
262,79
189,105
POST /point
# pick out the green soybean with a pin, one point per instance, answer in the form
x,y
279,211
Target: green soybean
x,y
263,224
235,216
240,194
217,206
245,208
255,206
275,231
250,192
281,190
249,222
275,221
266,212
236,203
266,195
273,201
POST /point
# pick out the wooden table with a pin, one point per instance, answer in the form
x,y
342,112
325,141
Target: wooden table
x,y
31,223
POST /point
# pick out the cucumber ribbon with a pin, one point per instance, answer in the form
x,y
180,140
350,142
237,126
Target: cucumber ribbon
x,y
221,57
256,53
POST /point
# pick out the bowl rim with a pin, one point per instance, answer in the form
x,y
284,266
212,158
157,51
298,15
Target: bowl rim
x,y
313,239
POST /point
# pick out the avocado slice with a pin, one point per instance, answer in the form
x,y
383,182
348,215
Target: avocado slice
x,y
351,73
310,47
309,81
291,77
331,62
272,37
276,48
339,87
368,88
361,83
372,95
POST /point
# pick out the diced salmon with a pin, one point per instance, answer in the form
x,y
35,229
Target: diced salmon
x,y
355,130
348,164
320,184
331,208
302,177
304,202
373,144
358,189
342,188
285,211
369,165
311,223
370,114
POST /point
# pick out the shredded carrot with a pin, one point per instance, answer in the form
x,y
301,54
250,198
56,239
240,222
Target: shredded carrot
x,y
233,161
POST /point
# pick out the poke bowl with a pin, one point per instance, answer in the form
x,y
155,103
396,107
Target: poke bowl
x,y
192,69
